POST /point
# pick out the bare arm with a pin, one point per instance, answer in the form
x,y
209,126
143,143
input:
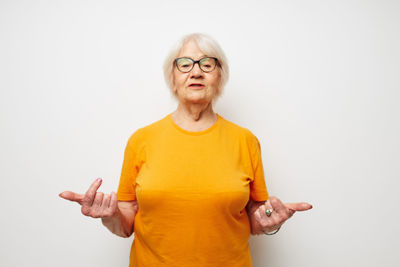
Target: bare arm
x,y
122,222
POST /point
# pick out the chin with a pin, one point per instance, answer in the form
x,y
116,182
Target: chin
x,y
197,96
198,99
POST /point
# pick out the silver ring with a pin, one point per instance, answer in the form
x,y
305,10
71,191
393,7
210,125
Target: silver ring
x,y
268,212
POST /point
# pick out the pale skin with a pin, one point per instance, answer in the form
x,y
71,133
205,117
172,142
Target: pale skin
x,y
194,113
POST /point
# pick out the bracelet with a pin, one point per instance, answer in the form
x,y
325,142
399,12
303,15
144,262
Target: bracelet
x,y
277,230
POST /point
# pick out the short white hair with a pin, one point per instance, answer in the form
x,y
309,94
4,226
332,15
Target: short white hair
x,y
206,44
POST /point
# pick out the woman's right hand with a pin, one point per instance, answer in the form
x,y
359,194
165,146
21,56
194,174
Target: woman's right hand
x,y
94,204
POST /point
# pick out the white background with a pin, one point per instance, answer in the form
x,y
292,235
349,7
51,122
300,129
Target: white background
x,y
316,81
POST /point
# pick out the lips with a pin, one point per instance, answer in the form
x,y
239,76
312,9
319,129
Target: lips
x,y
196,85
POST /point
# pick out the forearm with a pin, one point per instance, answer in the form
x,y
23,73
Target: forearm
x,y
120,224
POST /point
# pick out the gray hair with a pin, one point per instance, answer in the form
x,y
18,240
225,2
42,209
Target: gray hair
x,y
206,44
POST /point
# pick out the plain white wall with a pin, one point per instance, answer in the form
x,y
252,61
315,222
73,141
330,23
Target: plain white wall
x,y
316,81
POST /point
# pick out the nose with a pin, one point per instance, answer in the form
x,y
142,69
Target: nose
x,y
196,72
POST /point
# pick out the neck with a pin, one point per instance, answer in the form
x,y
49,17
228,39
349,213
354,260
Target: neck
x,y
194,116
195,111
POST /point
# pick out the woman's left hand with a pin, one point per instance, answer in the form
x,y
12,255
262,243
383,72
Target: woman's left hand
x,y
261,223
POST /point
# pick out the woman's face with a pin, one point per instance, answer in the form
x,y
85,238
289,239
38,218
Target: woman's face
x,y
195,86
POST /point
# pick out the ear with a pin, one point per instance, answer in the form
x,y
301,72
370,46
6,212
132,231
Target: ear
x,y
174,89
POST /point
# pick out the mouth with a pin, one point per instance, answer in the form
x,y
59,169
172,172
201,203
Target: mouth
x,y
196,85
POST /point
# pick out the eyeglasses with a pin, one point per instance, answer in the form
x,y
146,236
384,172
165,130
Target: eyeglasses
x,y
186,64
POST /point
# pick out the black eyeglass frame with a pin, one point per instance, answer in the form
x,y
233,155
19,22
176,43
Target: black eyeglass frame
x,y
198,62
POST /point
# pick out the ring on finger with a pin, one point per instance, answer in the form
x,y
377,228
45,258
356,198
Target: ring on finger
x,y
268,212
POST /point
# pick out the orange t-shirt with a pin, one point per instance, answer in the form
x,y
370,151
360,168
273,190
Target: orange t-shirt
x,y
192,189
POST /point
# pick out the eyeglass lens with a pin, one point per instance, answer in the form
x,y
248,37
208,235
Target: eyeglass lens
x,y
206,64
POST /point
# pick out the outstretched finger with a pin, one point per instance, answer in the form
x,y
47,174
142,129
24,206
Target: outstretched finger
x,y
300,206
71,196
91,193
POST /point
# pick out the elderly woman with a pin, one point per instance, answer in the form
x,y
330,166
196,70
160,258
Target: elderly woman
x,y
192,185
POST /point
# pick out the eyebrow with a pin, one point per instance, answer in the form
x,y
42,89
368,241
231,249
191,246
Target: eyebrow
x,y
203,56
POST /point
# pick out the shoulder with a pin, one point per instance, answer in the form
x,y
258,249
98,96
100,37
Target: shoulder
x,y
238,130
142,133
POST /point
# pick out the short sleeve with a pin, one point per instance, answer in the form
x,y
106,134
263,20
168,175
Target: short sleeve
x,y
258,189
133,160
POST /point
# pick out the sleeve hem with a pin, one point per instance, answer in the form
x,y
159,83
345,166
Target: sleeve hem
x,y
260,196
126,197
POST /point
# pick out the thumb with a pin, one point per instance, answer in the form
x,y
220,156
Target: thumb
x,y
71,196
